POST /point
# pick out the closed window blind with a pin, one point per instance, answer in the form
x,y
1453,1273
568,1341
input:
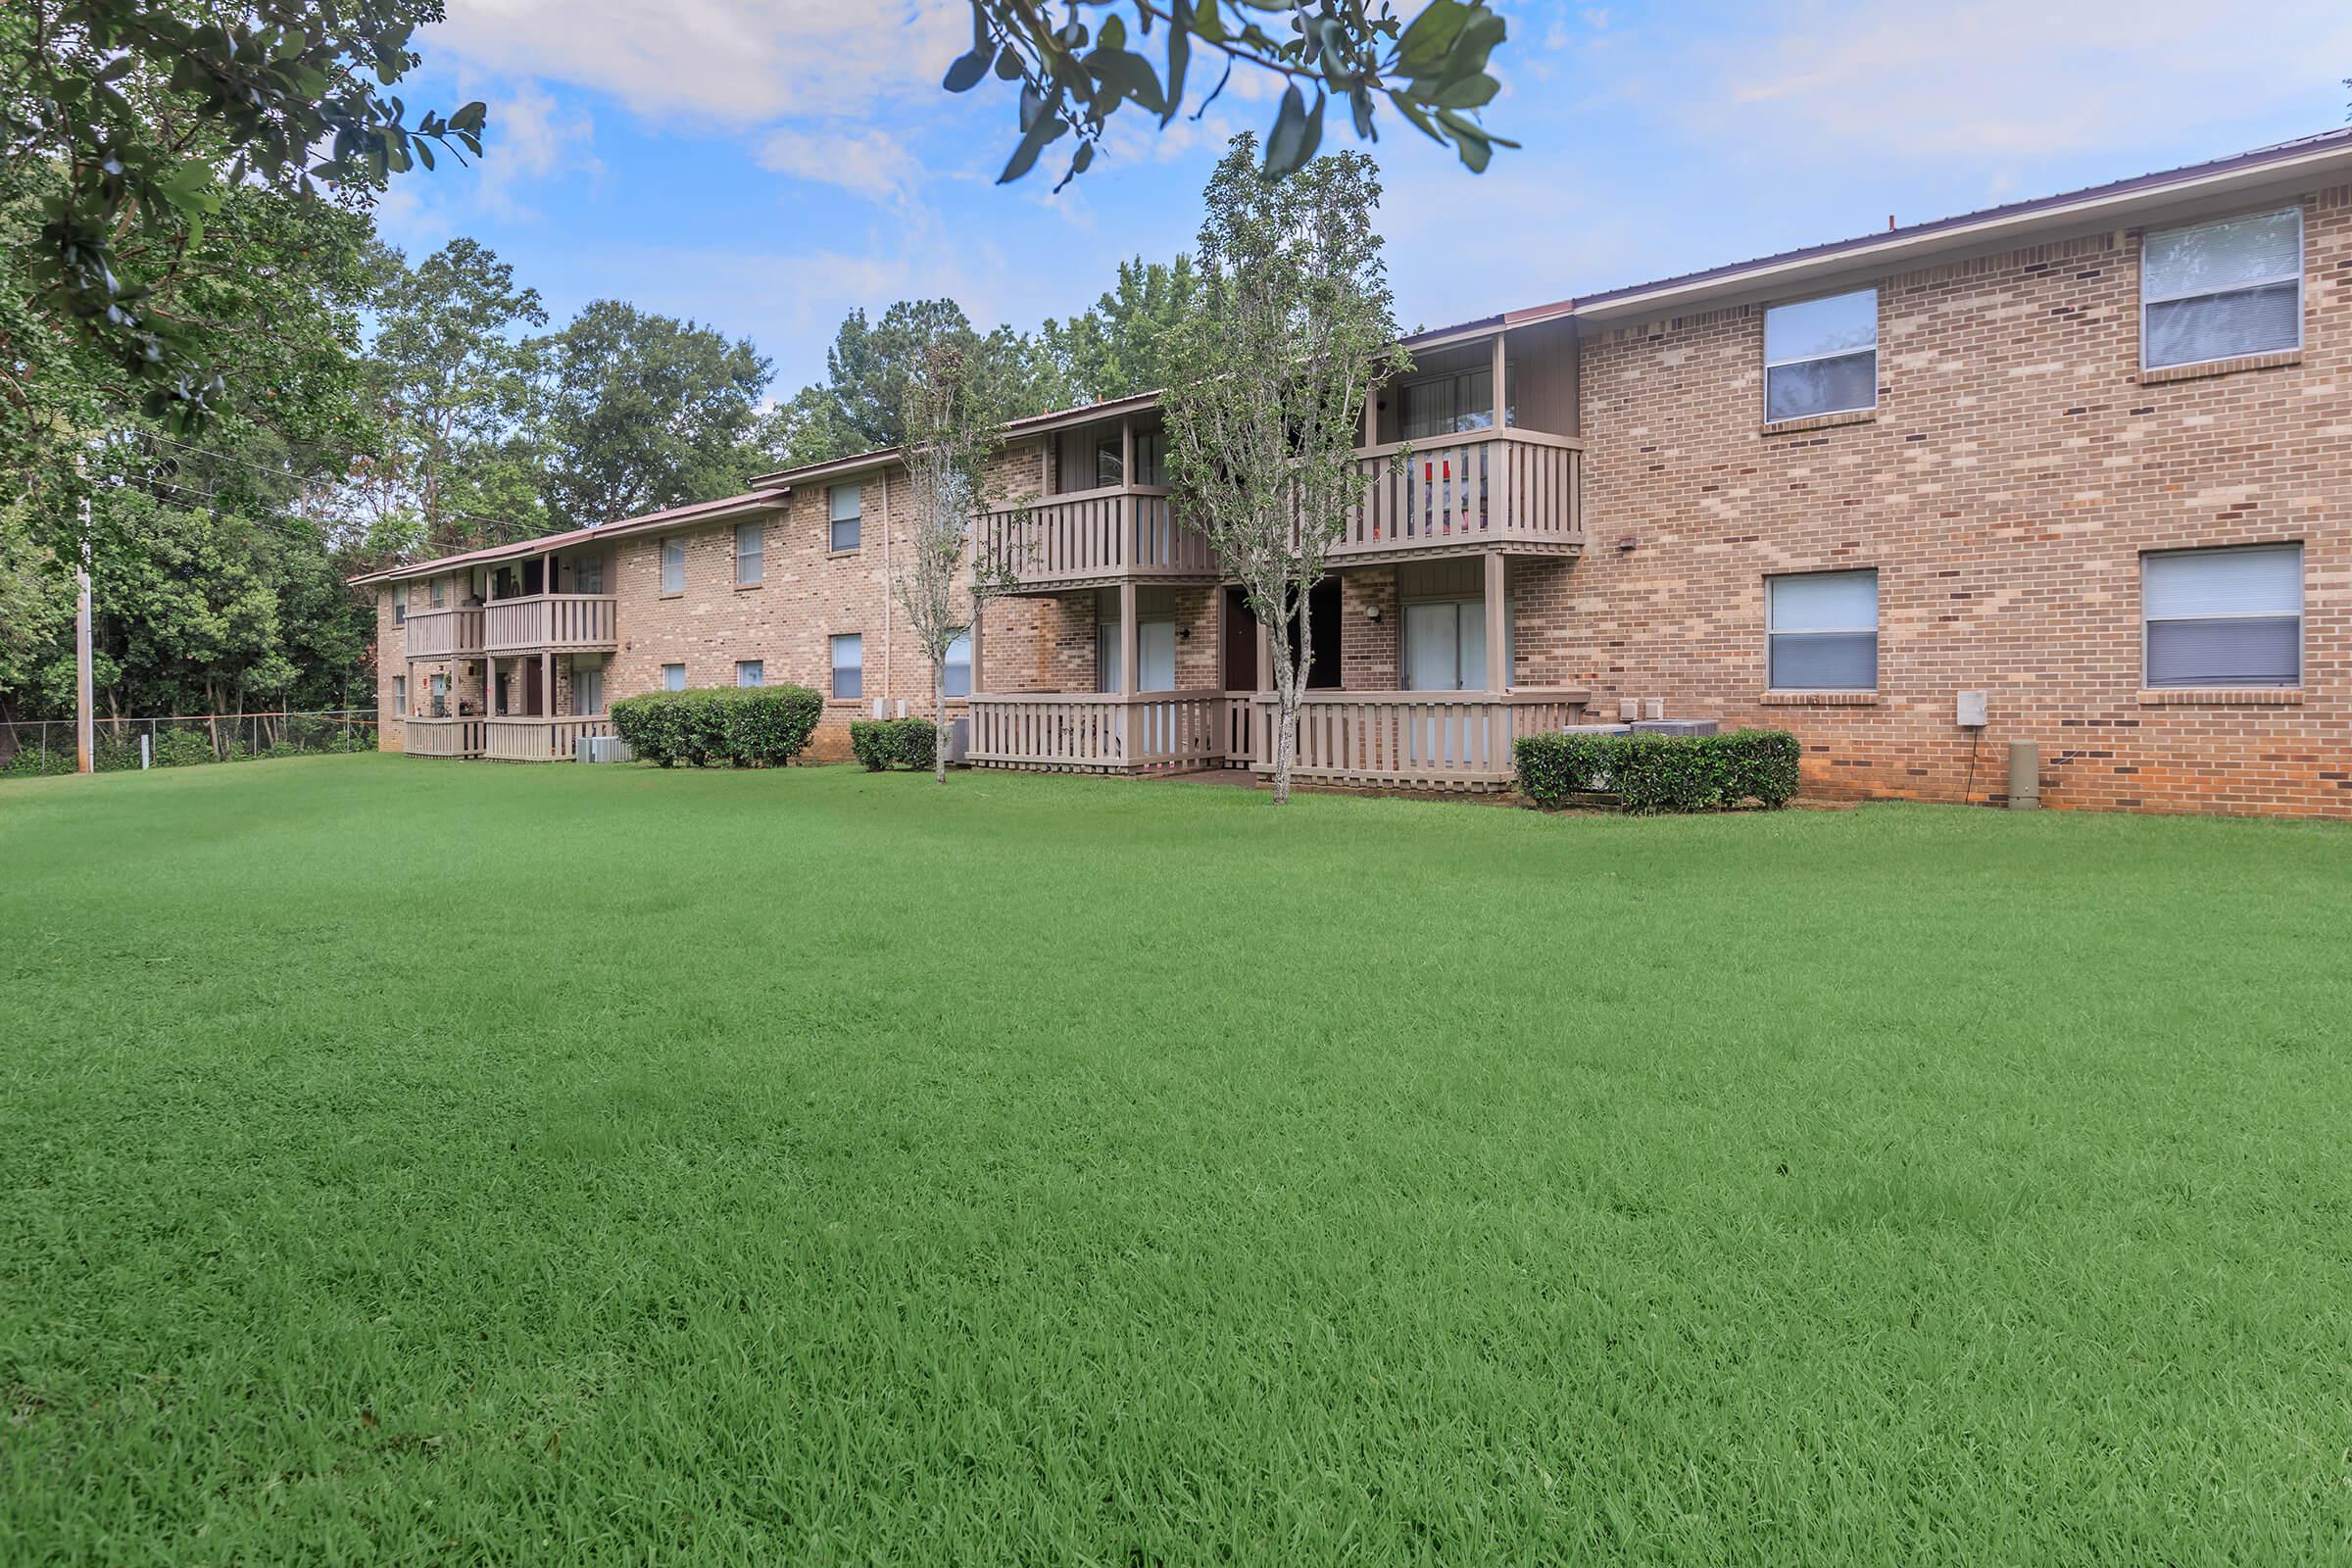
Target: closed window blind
x,y
2223,617
958,672
2218,291
848,665
1822,631
673,566
750,672
673,677
845,505
751,552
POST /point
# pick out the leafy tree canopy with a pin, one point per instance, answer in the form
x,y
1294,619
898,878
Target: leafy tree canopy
x,y
1121,345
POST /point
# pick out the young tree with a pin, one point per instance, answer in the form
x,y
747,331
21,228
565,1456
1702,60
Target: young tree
x,y
1266,404
954,401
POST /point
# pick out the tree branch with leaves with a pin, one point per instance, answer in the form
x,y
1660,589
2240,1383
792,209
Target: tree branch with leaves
x,y
1073,77
1296,324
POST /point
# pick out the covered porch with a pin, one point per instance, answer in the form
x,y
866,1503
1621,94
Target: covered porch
x,y
1417,681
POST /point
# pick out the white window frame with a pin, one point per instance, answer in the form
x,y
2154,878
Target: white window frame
x,y
400,603
834,519
400,693
1764,392
834,667
668,545
584,674
2148,300
2302,617
439,591
665,685
756,556
1877,629
754,668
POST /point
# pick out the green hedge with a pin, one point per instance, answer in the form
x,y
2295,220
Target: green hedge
x,y
1662,772
881,743
750,727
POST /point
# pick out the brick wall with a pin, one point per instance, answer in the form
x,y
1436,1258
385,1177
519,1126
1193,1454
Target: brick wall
x,y
2015,467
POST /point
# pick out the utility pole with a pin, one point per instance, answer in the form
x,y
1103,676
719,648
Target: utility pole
x,y
85,738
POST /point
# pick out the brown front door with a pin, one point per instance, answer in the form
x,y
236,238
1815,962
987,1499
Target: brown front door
x,y
1240,643
532,695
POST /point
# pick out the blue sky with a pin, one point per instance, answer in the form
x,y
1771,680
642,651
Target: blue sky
x,y
764,166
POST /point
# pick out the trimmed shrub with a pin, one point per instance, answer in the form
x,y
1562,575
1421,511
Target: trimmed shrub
x,y
1662,772
881,743
750,727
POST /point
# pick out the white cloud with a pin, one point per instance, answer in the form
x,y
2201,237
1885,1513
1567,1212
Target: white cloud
x,y
869,162
535,138
730,62
2012,77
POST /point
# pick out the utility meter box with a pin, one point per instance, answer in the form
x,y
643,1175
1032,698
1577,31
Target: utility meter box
x,y
1972,710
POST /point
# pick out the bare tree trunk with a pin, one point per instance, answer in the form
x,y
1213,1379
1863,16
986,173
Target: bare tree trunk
x,y
938,718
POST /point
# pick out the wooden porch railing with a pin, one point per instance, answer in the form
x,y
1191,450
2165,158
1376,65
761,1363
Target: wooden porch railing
x,y
1149,732
1421,740
1092,537
442,737
558,623
537,740
443,633
1482,487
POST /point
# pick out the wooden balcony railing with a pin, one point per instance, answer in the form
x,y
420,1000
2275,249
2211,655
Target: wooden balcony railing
x,y
443,737
1512,487
1418,740
1092,537
1148,732
443,633
538,740
552,622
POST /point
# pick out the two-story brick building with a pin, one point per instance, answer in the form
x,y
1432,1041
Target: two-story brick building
x,y
2085,454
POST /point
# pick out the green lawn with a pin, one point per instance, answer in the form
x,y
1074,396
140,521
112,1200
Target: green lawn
x,y
406,1161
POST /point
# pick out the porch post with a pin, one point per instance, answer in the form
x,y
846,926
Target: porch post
x,y
1127,450
978,685
1498,659
1502,373
1129,643
1371,415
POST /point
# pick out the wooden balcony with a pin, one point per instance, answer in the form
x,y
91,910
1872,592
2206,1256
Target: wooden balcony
x,y
558,623
1095,538
443,737
537,740
1398,740
443,633
1412,740
1520,490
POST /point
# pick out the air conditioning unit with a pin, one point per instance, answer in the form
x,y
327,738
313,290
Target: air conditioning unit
x,y
959,741
600,748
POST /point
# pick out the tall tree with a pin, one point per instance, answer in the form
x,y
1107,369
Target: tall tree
x,y
645,412
1296,322
1072,78
1120,345
452,374
133,121
861,406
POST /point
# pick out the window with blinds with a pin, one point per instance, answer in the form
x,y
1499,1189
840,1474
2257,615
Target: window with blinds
x,y
1822,356
673,566
1822,632
673,677
2222,617
958,672
849,664
2221,291
751,673
845,505
751,552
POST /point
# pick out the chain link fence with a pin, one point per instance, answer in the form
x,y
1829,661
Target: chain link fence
x,y
32,746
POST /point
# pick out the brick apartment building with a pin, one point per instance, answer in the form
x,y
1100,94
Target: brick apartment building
x,y
2083,453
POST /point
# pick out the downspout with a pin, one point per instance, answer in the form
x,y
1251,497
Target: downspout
x,y
888,579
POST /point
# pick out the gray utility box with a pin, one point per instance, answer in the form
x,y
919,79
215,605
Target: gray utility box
x,y
959,741
1676,727
600,748
1597,729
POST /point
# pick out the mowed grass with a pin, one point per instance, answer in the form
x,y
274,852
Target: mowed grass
x,y
406,1161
